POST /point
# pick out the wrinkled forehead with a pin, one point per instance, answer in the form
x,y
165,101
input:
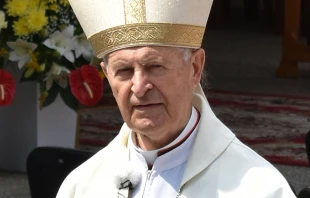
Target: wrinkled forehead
x,y
144,53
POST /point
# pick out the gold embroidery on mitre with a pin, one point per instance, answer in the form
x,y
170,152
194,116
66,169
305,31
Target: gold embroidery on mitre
x,y
161,34
134,11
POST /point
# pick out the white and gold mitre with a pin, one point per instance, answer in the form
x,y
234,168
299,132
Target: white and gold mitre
x,y
115,24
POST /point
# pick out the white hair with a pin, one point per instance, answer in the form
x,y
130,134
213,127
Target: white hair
x,y
187,52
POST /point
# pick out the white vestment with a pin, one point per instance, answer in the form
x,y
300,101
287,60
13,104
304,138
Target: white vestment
x,y
218,166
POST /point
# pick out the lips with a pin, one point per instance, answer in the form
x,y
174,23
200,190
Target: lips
x,y
146,106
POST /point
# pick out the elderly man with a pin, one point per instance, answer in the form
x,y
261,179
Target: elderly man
x,y
171,144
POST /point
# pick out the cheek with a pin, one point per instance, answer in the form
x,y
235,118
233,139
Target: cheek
x,y
121,92
181,89
183,81
115,88
175,92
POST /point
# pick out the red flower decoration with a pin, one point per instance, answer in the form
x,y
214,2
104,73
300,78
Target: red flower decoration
x,y
7,88
86,85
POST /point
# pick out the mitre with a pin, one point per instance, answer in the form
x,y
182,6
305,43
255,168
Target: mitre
x,y
116,24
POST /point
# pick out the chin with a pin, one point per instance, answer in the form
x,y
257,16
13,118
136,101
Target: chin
x,y
147,125
146,128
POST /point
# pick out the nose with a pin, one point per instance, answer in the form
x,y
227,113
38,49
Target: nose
x,y
140,84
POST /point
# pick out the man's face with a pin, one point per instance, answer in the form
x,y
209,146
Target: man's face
x,y
153,88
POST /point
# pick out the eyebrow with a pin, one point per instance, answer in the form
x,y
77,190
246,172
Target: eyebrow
x,y
119,64
151,59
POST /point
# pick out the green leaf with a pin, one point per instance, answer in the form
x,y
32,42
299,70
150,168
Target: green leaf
x,y
69,98
52,95
34,76
28,73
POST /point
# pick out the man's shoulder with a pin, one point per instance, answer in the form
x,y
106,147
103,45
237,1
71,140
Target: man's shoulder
x,y
249,167
239,153
87,172
89,165
96,160
241,171
102,158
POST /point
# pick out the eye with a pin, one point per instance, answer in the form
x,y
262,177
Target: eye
x,y
124,70
154,66
155,69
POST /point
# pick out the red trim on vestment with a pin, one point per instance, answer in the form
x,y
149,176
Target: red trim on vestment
x,y
166,150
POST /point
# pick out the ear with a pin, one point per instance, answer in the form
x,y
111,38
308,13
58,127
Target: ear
x,y
198,62
104,69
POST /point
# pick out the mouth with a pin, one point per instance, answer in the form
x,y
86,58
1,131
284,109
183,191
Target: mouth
x,y
146,106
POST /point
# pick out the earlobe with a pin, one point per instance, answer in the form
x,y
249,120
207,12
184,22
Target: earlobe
x,y
198,63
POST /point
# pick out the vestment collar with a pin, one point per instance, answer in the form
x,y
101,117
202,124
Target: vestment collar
x,y
150,156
